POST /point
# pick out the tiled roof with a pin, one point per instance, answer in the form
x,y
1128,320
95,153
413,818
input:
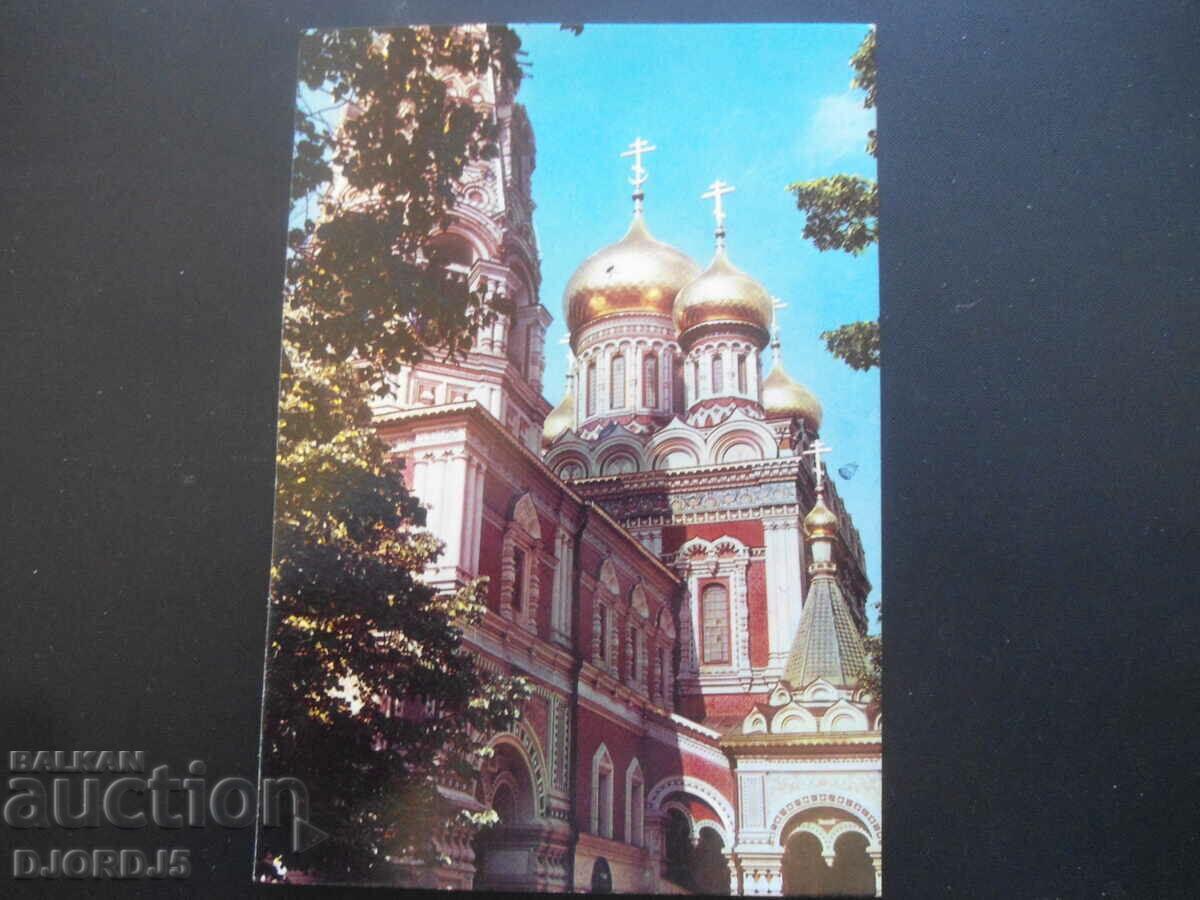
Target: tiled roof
x,y
827,644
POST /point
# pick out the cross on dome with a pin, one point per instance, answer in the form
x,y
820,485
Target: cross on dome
x,y
636,149
716,191
776,306
815,450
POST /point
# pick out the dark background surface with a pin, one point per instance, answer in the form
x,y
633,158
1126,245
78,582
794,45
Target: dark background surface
x,y
1039,275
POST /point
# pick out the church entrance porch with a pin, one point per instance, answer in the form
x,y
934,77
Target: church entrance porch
x,y
828,853
522,852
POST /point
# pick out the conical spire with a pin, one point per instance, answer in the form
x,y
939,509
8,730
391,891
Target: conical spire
x,y
828,644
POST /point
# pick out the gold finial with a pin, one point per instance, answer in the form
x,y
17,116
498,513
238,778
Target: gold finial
x,y
636,149
716,191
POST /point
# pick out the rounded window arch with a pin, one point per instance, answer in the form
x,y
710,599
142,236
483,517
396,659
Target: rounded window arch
x,y
741,450
677,457
619,464
450,249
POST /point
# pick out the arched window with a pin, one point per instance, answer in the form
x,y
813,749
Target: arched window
x,y
635,639
649,381
714,617
635,805
591,389
718,374
602,793
616,383
741,373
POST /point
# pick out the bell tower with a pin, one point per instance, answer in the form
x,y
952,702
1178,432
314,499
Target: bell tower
x,y
491,246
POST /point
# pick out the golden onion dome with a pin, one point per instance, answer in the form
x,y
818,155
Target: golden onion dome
x,y
636,274
723,293
820,521
782,395
560,419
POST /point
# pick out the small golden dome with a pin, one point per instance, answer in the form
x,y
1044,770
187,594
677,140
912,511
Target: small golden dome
x,y
636,274
724,293
560,419
784,396
820,521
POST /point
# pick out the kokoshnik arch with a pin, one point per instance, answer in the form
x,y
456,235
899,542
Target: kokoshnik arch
x,y
668,565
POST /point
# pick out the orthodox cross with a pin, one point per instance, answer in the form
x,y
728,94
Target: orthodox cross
x,y
776,306
636,149
716,191
815,450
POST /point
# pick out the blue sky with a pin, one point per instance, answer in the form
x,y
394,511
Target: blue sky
x,y
758,106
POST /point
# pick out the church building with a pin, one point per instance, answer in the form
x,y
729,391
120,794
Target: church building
x,y
669,567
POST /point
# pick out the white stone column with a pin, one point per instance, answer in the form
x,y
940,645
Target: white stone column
x,y
877,863
454,498
784,591
480,478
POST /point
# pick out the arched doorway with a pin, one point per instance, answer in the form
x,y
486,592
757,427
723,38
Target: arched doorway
x,y
601,877
853,874
507,780
711,868
804,871
826,854
677,838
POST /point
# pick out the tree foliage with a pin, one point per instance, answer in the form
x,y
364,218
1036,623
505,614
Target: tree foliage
x,y
384,157
371,699
842,213
857,344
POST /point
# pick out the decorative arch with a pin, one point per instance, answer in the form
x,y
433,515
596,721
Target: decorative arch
x,y
525,515
728,560
638,599
844,716
608,576
619,462
620,442
689,784
819,691
754,722
683,810
676,438
741,429
793,719
717,829
524,744
854,806
666,623
521,546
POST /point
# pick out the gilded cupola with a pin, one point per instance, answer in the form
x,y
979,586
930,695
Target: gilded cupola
x,y
821,523
561,417
782,395
638,274
722,295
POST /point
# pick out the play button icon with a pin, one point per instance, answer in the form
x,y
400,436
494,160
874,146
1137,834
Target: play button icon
x,y
305,835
